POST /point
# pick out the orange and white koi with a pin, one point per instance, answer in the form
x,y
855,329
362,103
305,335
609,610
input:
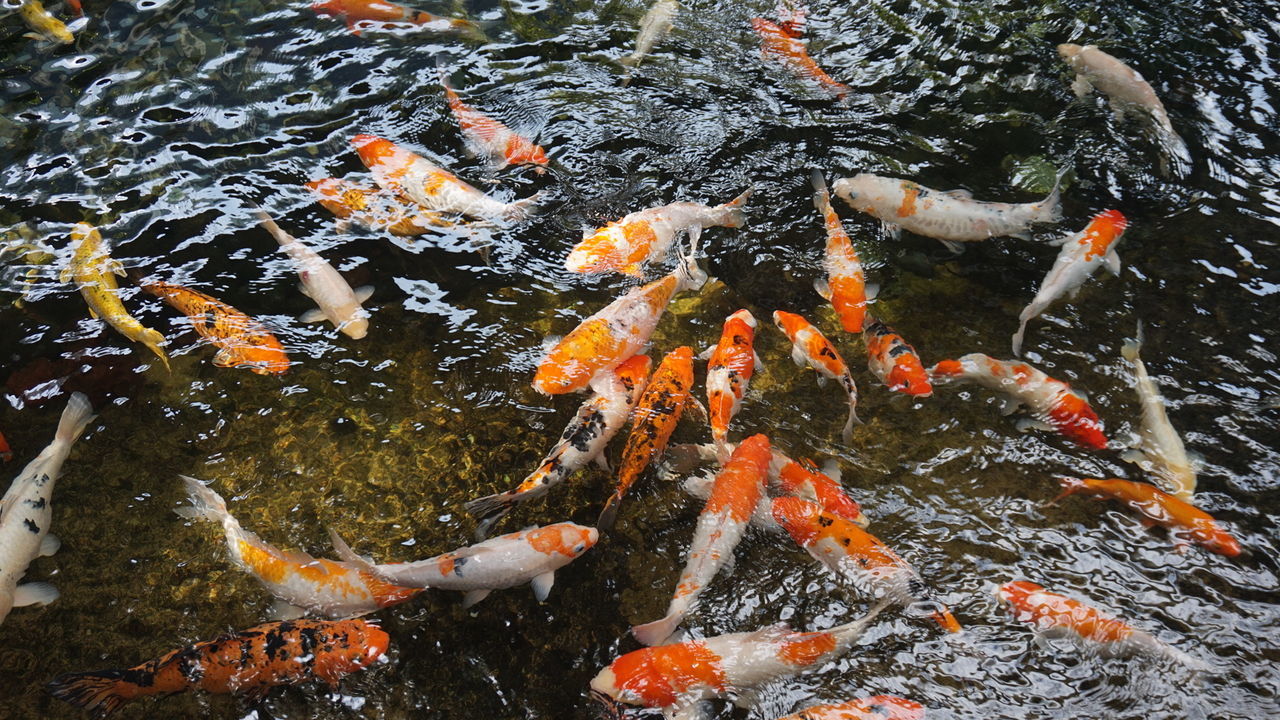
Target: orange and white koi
x,y
376,209
1082,253
879,707
401,171
1050,401
1157,507
1055,615
952,217
626,245
331,588
248,663
490,138
336,301
618,331
810,347
653,421
243,341
375,14
529,556
678,678
737,489
583,441
1159,449
729,371
857,556
778,42
845,286
894,360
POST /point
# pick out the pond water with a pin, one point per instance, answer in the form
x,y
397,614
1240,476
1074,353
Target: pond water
x,y
166,121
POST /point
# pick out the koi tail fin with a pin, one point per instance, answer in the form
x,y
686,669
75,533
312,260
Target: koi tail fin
x,y
658,631
690,275
1175,159
205,503
850,632
1131,347
1018,336
489,510
609,515
101,693
1051,208
75,418
730,214
1070,486
270,226
522,210
821,195
846,434
945,619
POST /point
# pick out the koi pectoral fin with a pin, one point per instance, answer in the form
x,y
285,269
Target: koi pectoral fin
x,y
313,316
34,594
542,585
474,597
49,545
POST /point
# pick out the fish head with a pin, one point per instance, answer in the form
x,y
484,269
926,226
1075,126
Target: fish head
x,y
1015,594
798,517
375,642
910,378
358,326
680,360
856,190
594,254
566,539
1073,417
376,152
1069,51
633,373
743,316
789,323
947,370
755,450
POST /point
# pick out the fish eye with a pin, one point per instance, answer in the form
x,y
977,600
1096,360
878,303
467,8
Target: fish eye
x,y
579,548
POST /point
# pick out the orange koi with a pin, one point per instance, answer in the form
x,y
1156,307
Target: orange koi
x,y
778,42
810,347
857,555
1158,507
244,342
792,15
76,7
729,371
376,14
894,361
737,489
374,209
490,138
845,287
653,421
879,707
803,480
248,663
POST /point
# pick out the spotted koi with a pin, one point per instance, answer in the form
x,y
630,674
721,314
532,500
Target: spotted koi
x,y
845,286
243,341
879,707
895,361
729,371
809,347
375,209
489,138
378,14
779,44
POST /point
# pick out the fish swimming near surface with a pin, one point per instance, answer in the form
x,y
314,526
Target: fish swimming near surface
x,y
93,270
652,422
1184,520
737,489
529,556
858,556
732,362
337,302
1052,402
894,360
1055,615
878,707
1082,253
1159,449
778,43
26,512
792,17
401,171
491,139
377,209
845,286
677,678
242,341
248,663
306,584
952,217
43,24
583,441
654,26
1127,91
373,14
626,245
809,347
618,331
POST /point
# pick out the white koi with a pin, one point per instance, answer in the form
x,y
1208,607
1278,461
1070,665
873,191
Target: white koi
x,y
654,26
1159,449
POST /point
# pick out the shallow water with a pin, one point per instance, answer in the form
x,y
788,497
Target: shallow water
x,y
167,119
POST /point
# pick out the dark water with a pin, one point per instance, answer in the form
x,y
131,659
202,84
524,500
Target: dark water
x,y
167,119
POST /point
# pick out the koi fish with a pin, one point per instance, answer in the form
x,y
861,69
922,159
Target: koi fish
x,y
307,584
654,26
369,14
583,441
248,663
879,707
1082,253
1159,450
376,210
857,556
729,371
845,286
244,342
6,452
337,302
778,43
1050,401
618,331
490,138
529,556
1056,615
655,418
1127,91
738,487
677,678
26,513
895,361
1158,508
810,347
43,24
76,7
952,217
93,269
791,17
400,171
626,245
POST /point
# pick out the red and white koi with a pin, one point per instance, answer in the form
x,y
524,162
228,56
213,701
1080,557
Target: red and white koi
x,y
1159,449
331,588
337,302
857,556
845,286
733,361
737,489
583,441
810,347
1082,253
529,556
777,42
377,14
1050,401
492,139
894,360
879,707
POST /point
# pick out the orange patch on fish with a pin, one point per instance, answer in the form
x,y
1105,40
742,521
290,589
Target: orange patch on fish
x,y
1102,232
1047,610
806,649
909,194
658,676
740,484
